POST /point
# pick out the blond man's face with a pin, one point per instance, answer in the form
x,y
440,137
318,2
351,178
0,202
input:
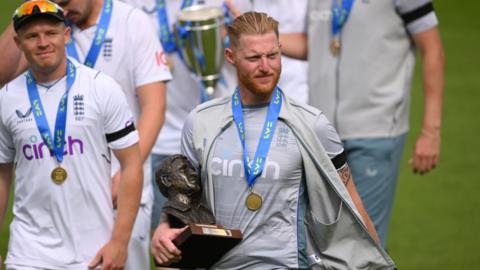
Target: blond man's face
x,y
257,59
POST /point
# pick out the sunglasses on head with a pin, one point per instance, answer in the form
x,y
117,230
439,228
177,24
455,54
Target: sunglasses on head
x,y
37,6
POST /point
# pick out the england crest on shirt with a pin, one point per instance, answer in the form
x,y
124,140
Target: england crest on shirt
x,y
108,49
78,107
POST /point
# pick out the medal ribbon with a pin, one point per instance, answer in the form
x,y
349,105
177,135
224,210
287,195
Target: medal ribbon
x,y
56,142
252,171
340,14
99,38
167,38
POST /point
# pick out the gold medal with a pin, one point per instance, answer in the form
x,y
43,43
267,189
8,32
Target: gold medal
x,y
59,175
335,46
253,201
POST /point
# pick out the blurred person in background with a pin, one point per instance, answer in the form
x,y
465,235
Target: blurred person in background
x,y
362,58
183,91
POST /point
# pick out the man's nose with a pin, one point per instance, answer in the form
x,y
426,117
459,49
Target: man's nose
x,y
42,41
264,66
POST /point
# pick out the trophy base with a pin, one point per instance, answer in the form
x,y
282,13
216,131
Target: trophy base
x,y
204,245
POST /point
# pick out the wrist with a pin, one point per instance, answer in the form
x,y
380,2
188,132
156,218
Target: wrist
x,y
431,131
120,239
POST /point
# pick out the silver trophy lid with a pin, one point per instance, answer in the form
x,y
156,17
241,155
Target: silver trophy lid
x,y
199,13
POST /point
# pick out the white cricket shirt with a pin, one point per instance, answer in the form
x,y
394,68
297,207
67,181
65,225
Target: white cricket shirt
x,y
63,226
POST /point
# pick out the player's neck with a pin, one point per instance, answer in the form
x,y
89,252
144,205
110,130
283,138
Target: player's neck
x,y
92,18
250,98
42,76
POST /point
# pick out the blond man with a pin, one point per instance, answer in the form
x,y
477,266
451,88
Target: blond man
x,y
274,169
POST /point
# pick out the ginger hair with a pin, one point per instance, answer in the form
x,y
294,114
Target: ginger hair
x,y
251,23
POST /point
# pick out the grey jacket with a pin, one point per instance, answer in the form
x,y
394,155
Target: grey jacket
x,y
338,238
365,89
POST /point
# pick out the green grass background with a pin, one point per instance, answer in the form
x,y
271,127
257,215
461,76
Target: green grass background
x,y
436,216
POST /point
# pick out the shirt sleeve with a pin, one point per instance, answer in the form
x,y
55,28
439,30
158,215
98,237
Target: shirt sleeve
x,y
418,15
330,140
7,149
149,59
187,148
119,126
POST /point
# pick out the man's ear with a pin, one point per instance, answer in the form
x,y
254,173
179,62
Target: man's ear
x,y
17,41
165,180
229,56
68,34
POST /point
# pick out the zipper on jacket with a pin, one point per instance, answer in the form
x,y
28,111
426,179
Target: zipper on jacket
x,y
222,129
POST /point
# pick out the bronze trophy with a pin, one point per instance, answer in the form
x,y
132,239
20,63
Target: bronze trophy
x,y
203,243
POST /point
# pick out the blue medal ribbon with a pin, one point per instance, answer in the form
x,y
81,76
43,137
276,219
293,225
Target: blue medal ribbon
x,y
252,171
340,14
167,38
228,21
56,141
98,39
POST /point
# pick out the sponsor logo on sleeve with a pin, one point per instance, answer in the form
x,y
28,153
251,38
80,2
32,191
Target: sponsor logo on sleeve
x,y
129,122
161,58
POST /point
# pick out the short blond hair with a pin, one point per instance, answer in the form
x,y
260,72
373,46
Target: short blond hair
x,y
251,23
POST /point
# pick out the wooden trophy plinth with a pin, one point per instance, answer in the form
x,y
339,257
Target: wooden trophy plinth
x,y
203,245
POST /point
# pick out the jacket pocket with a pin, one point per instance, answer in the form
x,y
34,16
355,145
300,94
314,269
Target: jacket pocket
x,y
322,229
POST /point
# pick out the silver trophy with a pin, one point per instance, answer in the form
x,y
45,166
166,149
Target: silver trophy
x,y
200,42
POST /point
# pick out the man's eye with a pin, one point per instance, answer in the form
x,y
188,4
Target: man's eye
x,y
272,55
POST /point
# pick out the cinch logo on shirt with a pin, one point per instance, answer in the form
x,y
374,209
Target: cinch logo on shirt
x,y
227,168
40,150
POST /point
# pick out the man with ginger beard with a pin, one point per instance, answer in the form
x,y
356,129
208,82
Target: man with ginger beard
x,y
273,168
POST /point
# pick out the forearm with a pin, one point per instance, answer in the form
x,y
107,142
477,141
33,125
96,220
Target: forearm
x,y
433,85
148,130
151,118
130,192
294,45
432,55
346,176
5,182
427,146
